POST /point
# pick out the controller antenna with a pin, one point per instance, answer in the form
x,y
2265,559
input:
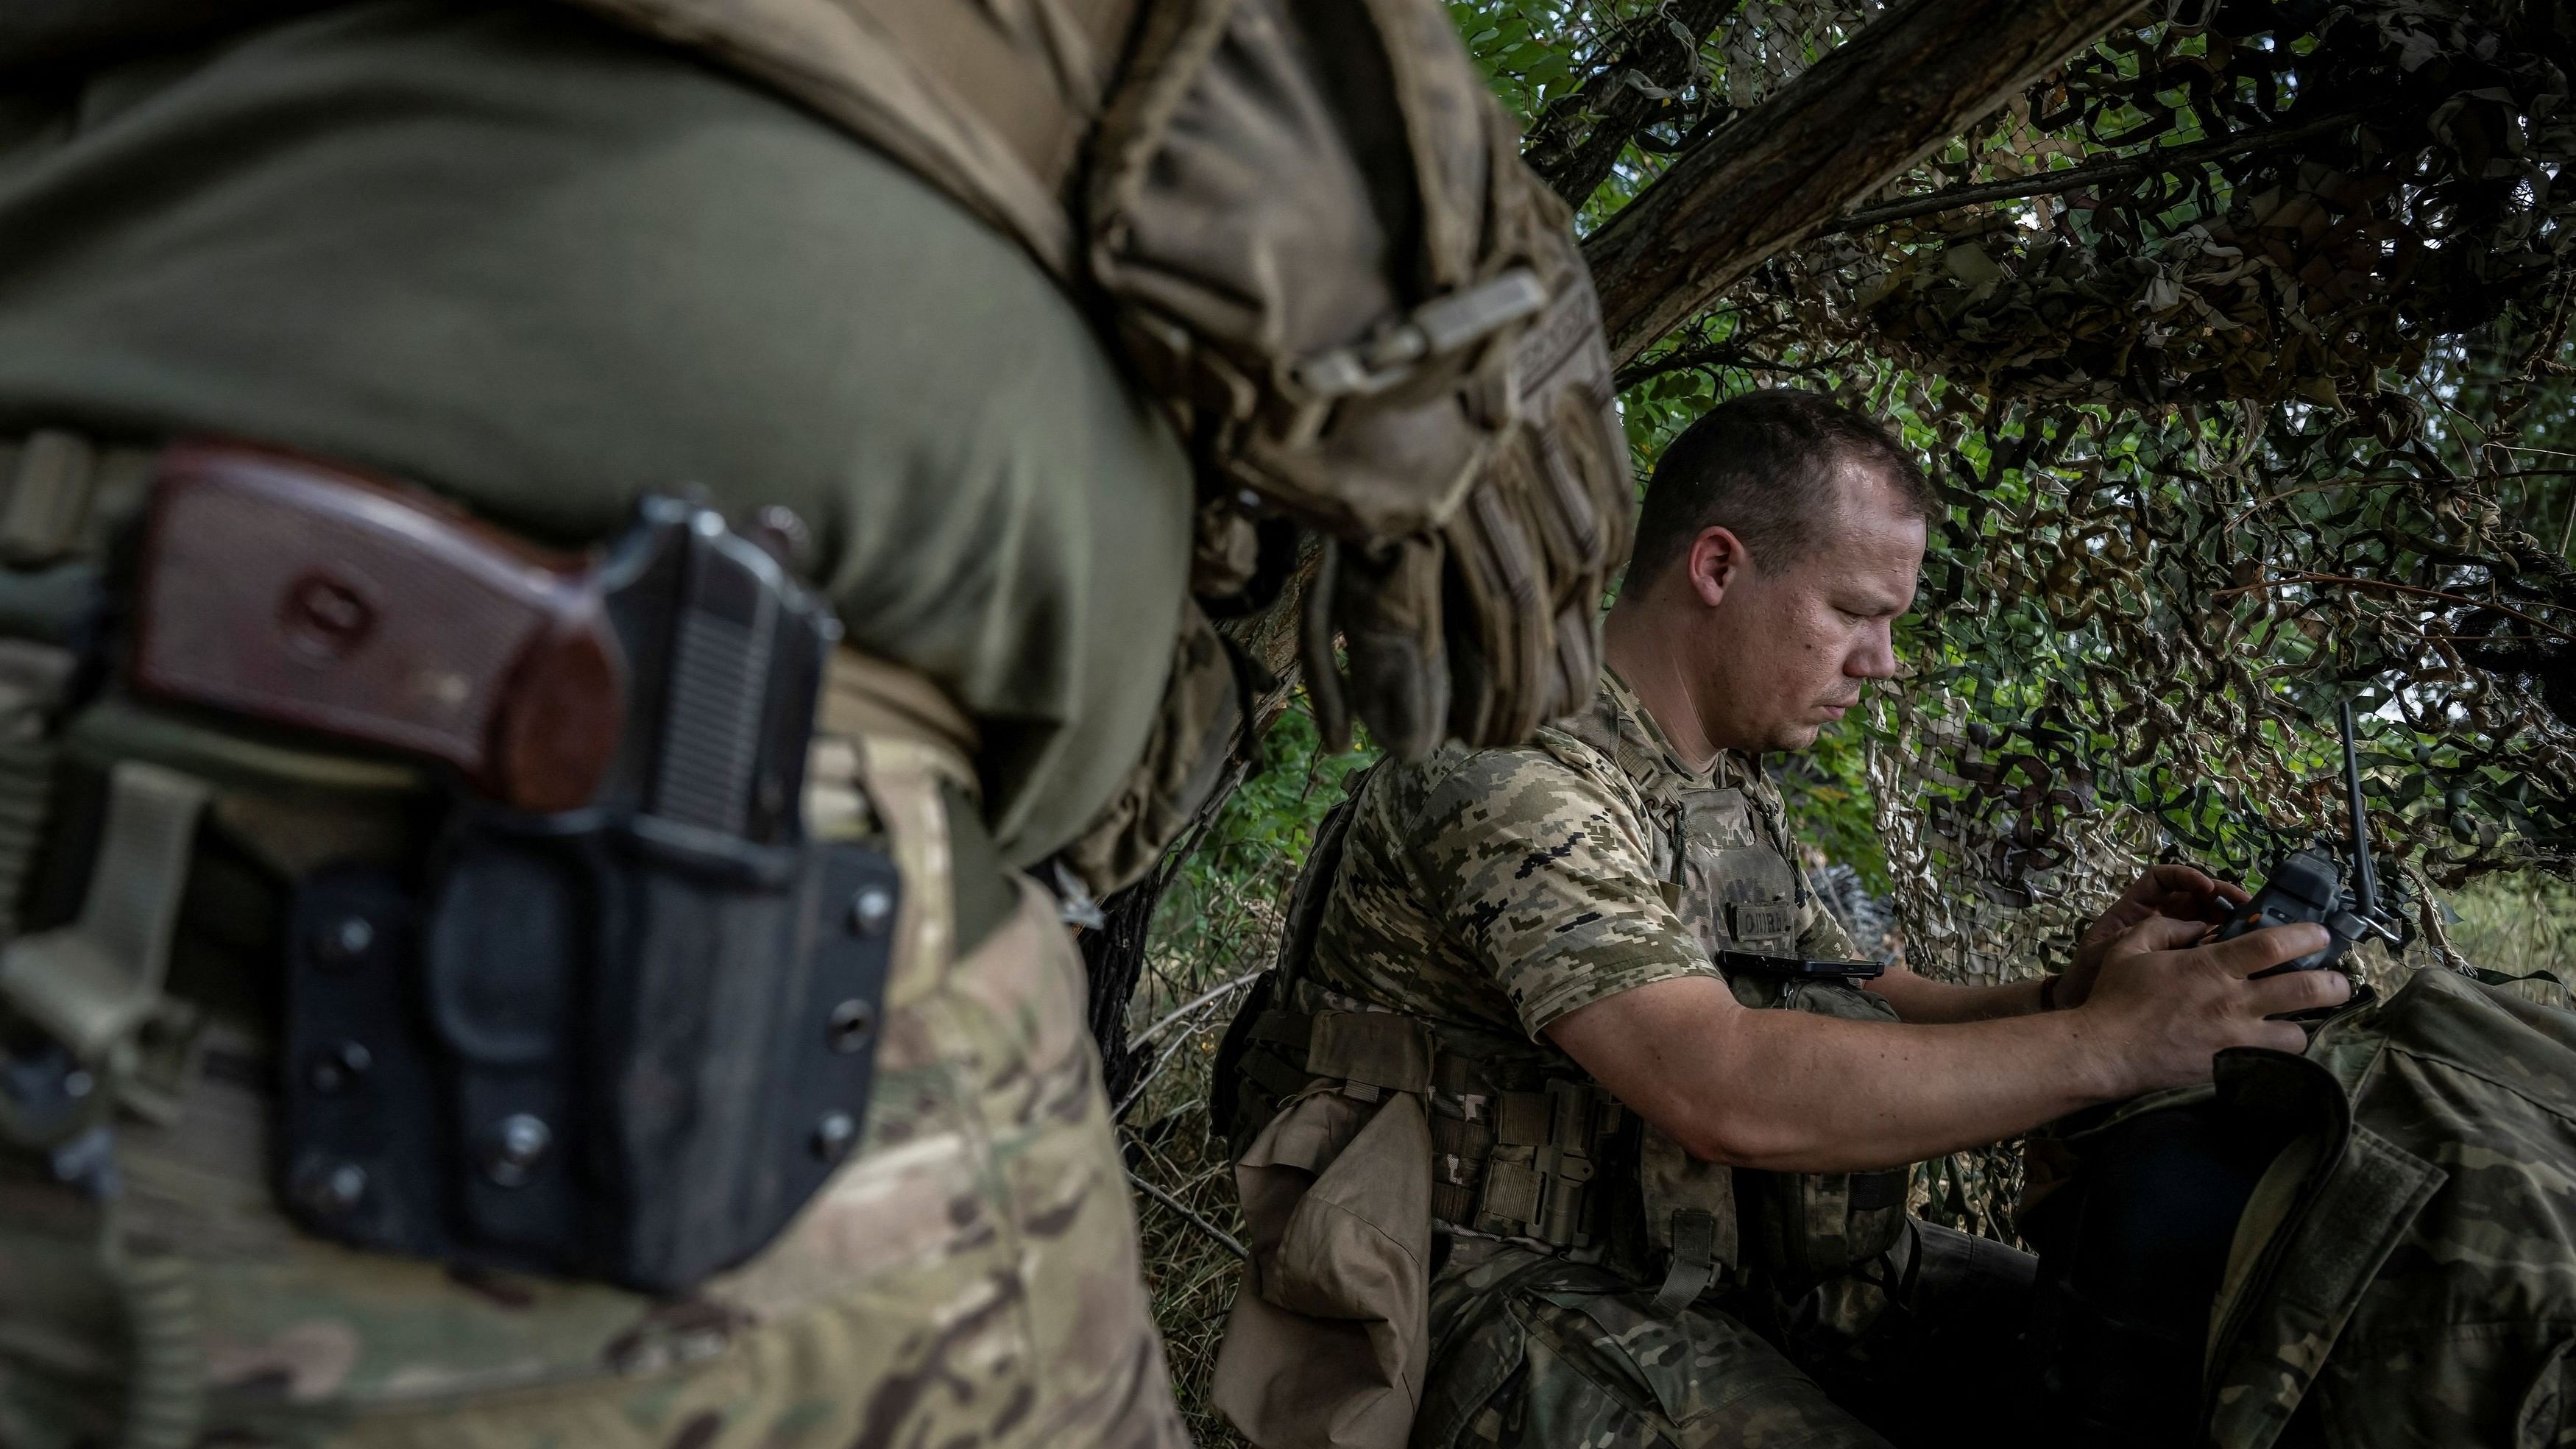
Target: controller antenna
x,y
2365,878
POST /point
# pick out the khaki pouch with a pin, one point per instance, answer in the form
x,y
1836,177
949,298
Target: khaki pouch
x,y
1329,1338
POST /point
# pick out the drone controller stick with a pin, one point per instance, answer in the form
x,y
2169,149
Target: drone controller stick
x,y
2311,885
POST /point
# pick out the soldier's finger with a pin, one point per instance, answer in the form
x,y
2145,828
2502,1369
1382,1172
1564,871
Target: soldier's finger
x,y
2191,891
2280,1036
2157,888
2176,880
2162,933
2264,949
2298,991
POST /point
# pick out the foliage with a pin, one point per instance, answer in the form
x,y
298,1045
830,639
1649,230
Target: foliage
x,y
1217,925
2222,473
1610,89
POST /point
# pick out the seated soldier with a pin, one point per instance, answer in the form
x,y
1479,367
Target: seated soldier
x,y
1659,1213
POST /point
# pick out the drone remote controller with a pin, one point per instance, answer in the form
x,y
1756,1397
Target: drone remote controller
x,y
2311,885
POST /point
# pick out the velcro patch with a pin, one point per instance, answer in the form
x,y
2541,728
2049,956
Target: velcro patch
x,y
1747,922
1511,1191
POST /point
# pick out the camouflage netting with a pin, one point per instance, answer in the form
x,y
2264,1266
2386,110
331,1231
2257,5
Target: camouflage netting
x,y
2239,348
2230,342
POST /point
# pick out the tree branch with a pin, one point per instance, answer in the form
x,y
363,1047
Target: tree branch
x,y
1717,359
1224,1239
1852,122
2075,178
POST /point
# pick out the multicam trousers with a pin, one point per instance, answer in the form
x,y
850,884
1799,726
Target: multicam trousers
x,y
1532,1352
971,1278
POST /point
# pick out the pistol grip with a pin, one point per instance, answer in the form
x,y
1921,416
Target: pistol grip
x,y
296,594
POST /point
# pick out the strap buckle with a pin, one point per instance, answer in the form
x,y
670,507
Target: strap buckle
x,y
91,988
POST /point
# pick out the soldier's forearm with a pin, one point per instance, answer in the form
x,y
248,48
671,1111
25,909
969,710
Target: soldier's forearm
x,y
1796,1091
1921,999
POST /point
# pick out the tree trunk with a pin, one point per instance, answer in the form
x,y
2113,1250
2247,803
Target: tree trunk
x,y
1114,954
1846,127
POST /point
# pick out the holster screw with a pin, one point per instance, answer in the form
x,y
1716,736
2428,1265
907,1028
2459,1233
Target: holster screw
x,y
833,1134
337,1069
871,910
329,1188
514,1148
342,944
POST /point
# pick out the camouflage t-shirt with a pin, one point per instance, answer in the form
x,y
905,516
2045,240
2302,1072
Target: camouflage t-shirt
x,y
1502,889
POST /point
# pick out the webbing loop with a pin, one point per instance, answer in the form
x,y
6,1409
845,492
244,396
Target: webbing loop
x,y
49,497
1694,1264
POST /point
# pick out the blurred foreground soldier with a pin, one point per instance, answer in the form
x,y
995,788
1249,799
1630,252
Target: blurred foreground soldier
x,y
568,575
1568,1119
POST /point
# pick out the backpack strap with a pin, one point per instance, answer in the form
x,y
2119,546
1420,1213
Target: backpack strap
x,y
2566,998
2311,1242
990,103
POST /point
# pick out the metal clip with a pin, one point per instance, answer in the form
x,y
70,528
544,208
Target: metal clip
x,y
1436,328
1073,901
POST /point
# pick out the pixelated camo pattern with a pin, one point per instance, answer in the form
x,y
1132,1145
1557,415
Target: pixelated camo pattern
x,y
1502,889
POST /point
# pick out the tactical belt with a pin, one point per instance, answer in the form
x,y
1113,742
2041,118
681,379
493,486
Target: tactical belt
x,y
1515,1154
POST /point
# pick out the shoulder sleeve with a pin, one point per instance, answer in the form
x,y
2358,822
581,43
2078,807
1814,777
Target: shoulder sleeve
x,y
1542,870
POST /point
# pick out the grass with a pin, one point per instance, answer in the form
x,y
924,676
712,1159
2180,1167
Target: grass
x,y
2519,925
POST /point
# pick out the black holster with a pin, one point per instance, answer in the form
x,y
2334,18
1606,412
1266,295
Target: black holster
x,y
626,1041
591,1048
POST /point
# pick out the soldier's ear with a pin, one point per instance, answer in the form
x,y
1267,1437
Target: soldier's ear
x,y
1717,560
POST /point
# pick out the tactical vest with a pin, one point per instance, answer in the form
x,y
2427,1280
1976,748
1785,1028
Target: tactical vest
x,y
1308,226
1529,1148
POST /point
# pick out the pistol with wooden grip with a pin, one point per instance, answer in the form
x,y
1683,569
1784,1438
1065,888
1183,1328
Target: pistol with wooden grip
x,y
674,673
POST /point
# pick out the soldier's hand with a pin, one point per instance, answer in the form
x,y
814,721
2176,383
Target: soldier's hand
x,y
2163,1006
2176,891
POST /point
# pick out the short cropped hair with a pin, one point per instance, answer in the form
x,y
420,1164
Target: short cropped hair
x,y
1763,467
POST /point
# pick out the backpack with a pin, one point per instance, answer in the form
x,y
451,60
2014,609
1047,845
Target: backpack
x,y
1306,225
2403,1266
